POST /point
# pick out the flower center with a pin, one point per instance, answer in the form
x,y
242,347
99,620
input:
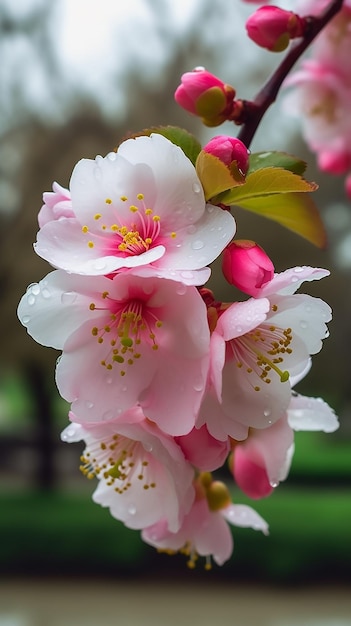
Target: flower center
x,y
262,351
119,461
130,237
130,327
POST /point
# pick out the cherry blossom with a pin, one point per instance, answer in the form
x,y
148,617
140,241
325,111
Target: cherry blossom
x,y
127,340
205,531
256,347
57,204
142,473
141,205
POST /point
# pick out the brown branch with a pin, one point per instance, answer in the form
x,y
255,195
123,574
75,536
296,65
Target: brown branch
x,y
255,110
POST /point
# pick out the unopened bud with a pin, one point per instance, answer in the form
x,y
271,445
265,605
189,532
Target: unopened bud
x,y
273,28
251,478
230,151
334,162
206,96
246,266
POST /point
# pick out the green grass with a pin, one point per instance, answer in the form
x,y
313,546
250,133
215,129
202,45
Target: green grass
x,y
67,534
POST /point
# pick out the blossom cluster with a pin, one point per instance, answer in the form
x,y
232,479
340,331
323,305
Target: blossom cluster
x,y
320,89
166,384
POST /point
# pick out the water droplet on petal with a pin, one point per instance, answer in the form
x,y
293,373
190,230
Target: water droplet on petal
x,y
267,412
36,289
30,299
148,446
109,380
89,404
303,324
131,509
191,229
196,187
68,297
274,484
238,329
298,269
198,385
25,319
108,415
99,264
294,279
181,289
112,156
210,208
46,294
197,244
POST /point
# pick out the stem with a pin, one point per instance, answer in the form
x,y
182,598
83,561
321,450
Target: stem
x,y
256,109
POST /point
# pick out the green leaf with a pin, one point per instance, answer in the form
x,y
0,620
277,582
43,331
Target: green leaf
x,y
179,136
259,160
295,211
215,176
266,181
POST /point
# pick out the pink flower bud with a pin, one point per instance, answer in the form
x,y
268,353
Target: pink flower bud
x,y
334,162
251,478
205,95
272,27
229,150
246,266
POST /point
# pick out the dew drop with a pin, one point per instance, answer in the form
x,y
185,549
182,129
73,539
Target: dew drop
x,y
294,279
46,294
25,319
181,289
238,329
196,187
35,289
108,415
191,229
112,156
147,446
267,413
274,484
198,385
197,244
298,270
89,404
31,299
303,324
210,208
99,264
131,509
327,333
308,308
68,297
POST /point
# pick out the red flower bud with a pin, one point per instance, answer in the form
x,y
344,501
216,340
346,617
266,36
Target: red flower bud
x,y
246,266
229,150
272,27
205,95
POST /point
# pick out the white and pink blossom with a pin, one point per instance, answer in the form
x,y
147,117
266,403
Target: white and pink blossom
x,y
205,530
142,205
142,473
127,340
258,349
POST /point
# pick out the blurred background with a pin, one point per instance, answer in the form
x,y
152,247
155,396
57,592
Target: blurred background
x,y
75,77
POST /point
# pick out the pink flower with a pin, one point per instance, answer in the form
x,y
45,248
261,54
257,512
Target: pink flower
x,y
263,460
141,206
246,266
272,27
142,473
57,204
230,150
202,450
321,97
256,347
124,341
205,531
203,94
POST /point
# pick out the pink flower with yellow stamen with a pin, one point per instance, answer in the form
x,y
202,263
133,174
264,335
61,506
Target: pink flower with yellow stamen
x,y
125,341
141,205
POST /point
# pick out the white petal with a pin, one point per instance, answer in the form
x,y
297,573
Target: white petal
x,y
244,516
311,414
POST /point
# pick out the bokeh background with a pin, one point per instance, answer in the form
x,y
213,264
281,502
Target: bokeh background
x,y
75,77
